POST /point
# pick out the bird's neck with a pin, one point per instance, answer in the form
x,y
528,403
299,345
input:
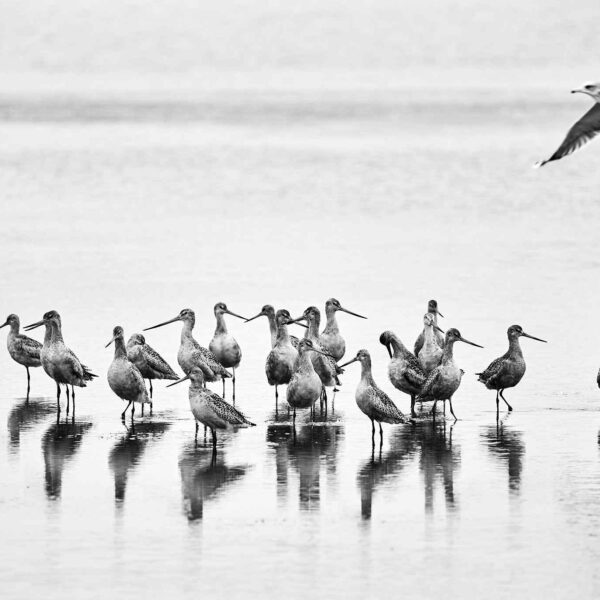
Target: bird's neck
x,y
281,335
14,328
448,354
186,330
221,327
429,337
304,363
53,334
366,373
312,333
514,347
398,347
120,350
273,329
332,325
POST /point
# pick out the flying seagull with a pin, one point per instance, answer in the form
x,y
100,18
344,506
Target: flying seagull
x,y
584,130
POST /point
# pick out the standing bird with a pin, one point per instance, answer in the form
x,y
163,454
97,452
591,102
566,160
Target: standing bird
x,y
22,349
323,362
60,362
508,370
191,354
404,370
305,385
430,354
124,377
280,361
149,362
268,311
445,379
584,130
432,308
373,401
331,338
209,408
223,345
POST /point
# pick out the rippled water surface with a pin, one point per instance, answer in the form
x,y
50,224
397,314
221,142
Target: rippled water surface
x,y
122,207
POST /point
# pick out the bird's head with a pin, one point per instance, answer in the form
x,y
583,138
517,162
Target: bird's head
x,y
137,339
117,335
11,320
591,89
362,356
516,331
453,335
432,307
429,321
266,311
221,309
49,318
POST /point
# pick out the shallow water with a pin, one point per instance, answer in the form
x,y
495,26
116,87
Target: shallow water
x,y
353,159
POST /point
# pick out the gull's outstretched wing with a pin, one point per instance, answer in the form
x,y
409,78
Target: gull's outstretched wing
x,y
582,132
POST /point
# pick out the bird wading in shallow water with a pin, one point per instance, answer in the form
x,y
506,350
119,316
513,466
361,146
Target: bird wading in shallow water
x,y
432,308
584,130
191,354
404,370
22,349
149,362
371,400
223,345
431,352
506,371
124,378
331,338
58,361
444,380
209,408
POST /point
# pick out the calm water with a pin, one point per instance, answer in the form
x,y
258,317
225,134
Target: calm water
x,y
365,162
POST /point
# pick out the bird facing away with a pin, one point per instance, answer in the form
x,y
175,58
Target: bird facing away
x,y
22,349
148,361
331,338
58,361
323,362
445,379
123,376
404,370
508,370
305,385
209,408
191,354
373,401
223,345
584,130
432,308
430,354
279,366
268,311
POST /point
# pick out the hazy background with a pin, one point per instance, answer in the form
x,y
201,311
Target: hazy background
x,y
172,154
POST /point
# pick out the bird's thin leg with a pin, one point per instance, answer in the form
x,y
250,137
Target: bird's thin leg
x,y
214,438
68,401
497,404
73,399
380,435
373,435
276,397
444,409
223,388
123,413
205,432
412,406
196,436
325,395
142,409
132,411
294,418
433,409
28,383
503,398
233,383
451,410
151,403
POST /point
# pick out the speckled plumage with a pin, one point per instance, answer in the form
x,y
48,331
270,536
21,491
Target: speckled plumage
x,y
148,361
22,349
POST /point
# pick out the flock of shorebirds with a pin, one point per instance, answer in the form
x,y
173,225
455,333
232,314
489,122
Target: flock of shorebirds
x,y
308,366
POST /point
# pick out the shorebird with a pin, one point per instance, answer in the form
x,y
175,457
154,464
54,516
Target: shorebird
x,y
323,362
445,379
124,377
430,354
280,361
209,408
60,362
372,400
404,370
305,385
584,130
191,354
268,311
331,338
149,362
22,349
432,308
223,345
508,370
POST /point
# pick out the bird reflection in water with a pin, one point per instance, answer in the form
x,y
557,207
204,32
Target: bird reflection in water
x,y
204,476
304,449
508,447
127,452
439,459
59,444
380,468
24,416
